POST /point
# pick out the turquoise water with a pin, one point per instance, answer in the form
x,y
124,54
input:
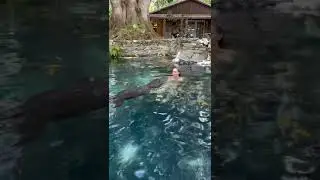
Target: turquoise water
x,y
159,136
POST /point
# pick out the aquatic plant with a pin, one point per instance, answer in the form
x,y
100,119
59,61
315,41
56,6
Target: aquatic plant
x,y
115,53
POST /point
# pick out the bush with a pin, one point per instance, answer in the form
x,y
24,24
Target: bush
x,y
134,32
115,53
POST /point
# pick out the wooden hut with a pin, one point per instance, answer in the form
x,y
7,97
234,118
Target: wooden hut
x,y
191,18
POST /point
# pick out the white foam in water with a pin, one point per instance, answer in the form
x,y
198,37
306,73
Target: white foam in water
x,y
196,162
128,153
202,119
160,113
190,163
198,165
197,125
203,114
140,173
168,120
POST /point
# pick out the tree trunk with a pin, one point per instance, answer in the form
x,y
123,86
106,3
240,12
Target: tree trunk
x,y
118,16
129,12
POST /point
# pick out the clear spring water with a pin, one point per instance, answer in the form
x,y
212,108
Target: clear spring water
x,y
159,136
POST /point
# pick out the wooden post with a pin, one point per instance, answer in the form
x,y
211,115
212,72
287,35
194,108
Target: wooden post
x,y
205,26
196,28
186,27
164,28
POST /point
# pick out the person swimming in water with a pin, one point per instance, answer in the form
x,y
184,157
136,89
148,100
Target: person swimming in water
x,y
88,95
155,86
175,75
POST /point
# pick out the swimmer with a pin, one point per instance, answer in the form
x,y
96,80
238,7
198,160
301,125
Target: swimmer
x,y
175,76
155,86
170,86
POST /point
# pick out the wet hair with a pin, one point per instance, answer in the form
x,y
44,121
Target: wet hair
x,y
177,70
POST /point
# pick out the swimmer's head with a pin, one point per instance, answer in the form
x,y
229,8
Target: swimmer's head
x,y
175,72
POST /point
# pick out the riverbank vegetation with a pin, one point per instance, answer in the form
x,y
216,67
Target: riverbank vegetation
x,y
129,19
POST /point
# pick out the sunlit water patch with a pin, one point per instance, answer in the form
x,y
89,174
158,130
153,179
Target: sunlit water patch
x,y
128,153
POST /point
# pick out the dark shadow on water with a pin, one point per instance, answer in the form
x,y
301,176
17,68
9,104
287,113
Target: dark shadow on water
x,y
267,119
45,54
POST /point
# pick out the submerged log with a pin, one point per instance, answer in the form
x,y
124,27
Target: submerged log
x,y
119,99
55,105
80,98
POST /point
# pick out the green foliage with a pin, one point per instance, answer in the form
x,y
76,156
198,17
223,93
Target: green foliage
x,y
207,2
134,32
115,53
157,4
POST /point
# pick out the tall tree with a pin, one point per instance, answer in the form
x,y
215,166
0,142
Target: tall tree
x,y
128,13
